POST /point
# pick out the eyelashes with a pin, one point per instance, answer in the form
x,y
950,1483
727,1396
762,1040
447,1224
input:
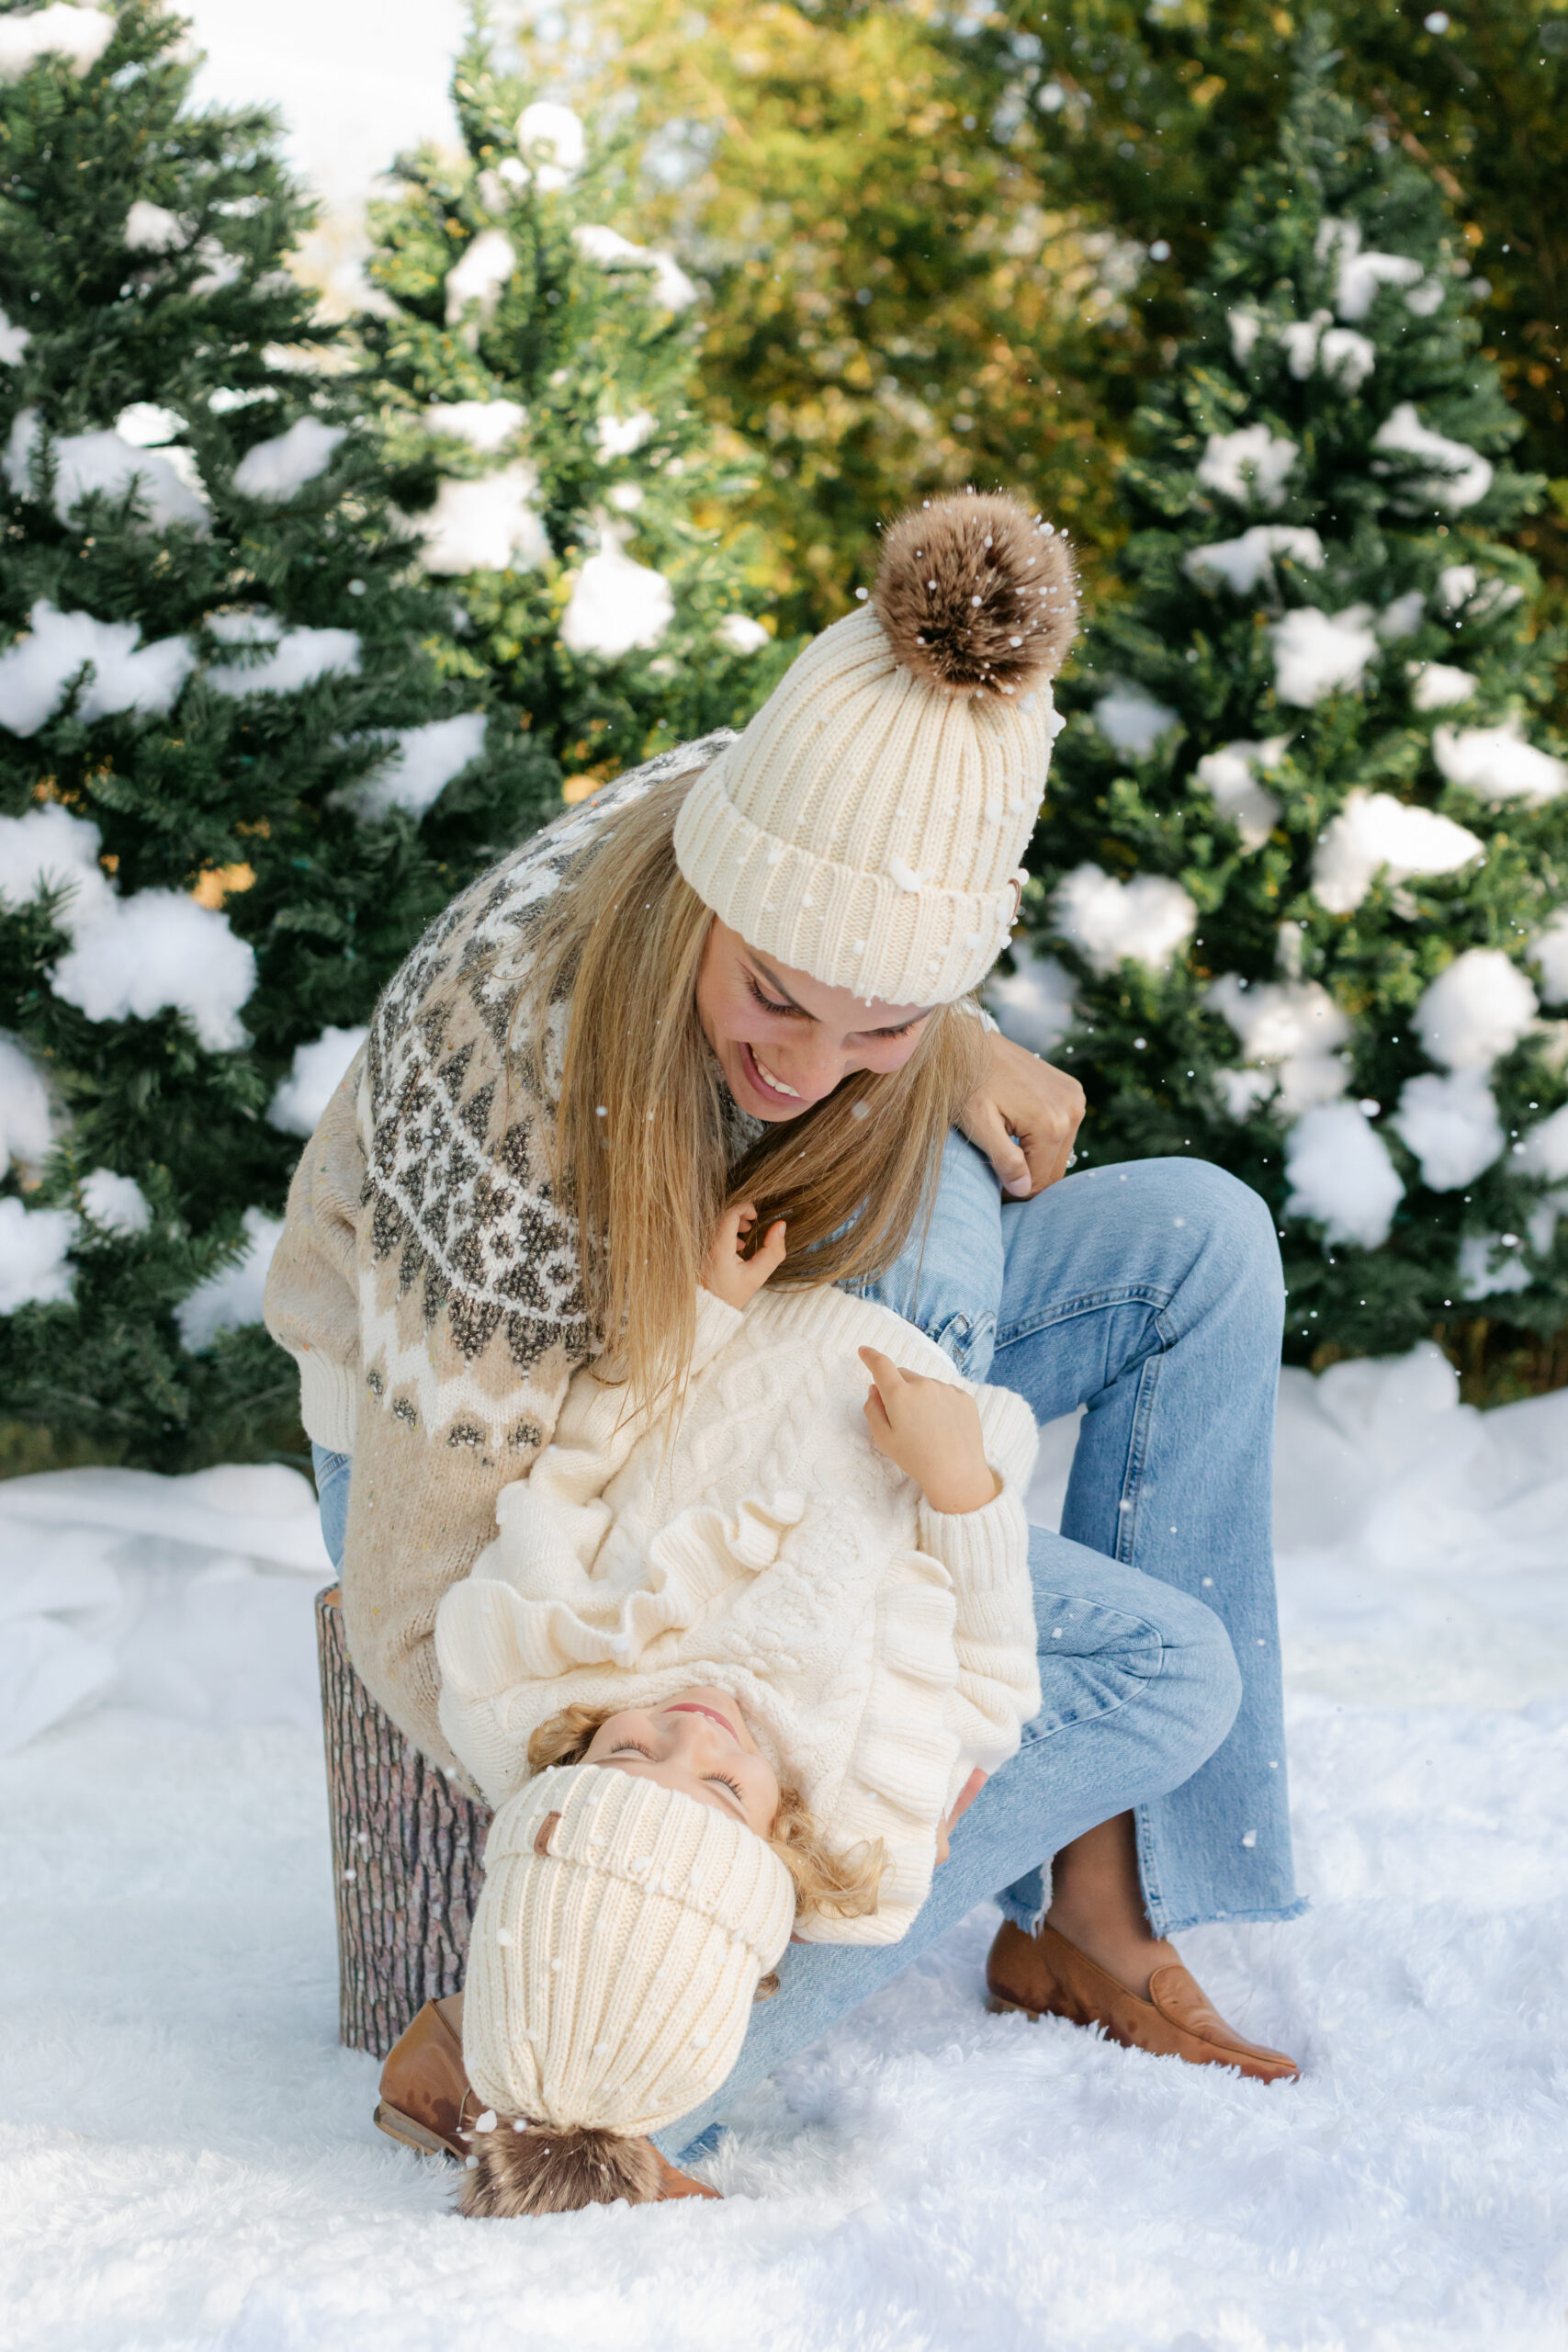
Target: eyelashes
x,y
793,1012
636,1748
767,1004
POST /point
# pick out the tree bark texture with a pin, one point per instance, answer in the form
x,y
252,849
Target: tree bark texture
x,y
408,1855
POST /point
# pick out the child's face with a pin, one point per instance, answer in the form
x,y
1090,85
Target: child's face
x,y
696,1742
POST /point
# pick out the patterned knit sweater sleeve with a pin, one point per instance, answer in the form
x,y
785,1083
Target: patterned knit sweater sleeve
x,y
427,1282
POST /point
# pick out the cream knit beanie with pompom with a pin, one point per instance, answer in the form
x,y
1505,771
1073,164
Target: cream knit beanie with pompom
x,y
621,1932
868,825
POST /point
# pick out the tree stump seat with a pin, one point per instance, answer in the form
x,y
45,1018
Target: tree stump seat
x,y
408,1856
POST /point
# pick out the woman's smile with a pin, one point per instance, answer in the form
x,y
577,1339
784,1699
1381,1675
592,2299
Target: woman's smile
x,y
758,1071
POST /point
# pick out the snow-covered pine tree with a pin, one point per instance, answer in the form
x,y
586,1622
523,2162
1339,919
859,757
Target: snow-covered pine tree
x,y
537,371
228,709
1305,858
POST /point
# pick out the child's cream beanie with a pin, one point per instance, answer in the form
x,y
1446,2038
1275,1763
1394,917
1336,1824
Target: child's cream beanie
x,y
868,825
621,1932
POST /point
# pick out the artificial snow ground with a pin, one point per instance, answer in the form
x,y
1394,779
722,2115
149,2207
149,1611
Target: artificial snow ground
x,y
187,2158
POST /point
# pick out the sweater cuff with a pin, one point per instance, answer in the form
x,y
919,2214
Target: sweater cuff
x,y
983,1550
717,1325
329,1401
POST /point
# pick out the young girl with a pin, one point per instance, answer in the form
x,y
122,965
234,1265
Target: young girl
x,y
849,1570
777,1600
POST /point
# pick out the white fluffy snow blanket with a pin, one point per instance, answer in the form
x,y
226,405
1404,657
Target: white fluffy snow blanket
x,y
186,2156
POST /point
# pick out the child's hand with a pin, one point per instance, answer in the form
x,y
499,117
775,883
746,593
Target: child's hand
x,y
931,1430
728,1275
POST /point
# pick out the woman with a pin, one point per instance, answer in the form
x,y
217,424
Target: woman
x,y
746,972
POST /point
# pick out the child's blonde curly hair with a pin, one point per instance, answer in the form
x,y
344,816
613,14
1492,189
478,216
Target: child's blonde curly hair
x,y
828,1884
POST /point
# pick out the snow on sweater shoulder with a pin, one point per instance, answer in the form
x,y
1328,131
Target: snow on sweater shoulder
x,y
880,1649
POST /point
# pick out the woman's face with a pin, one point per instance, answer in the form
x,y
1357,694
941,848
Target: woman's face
x,y
696,1742
784,1041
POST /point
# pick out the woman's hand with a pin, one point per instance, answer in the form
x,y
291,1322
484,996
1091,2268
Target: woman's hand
x,y
932,1429
964,1799
1020,1095
728,1275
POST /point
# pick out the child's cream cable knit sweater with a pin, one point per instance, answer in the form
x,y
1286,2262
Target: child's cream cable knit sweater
x,y
880,1649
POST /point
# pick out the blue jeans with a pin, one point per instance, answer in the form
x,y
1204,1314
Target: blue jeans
x,y
1150,1295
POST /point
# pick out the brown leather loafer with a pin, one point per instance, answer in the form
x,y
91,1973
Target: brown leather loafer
x,y
428,2104
1045,1977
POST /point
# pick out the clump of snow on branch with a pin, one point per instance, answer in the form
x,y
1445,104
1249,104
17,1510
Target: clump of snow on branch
x,y
27,1118
1231,774
1341,1176
1402,617
619,437
1462,476
13,341
616,605
159,950
474,284
104,463
1360,276
1250,465
123,674
484,425
80,36
1373,832
138,955
1312,345
1550,955
487,525
291,658
273,470
1476,1011
1242,563
1452,1126
153,228
1289,1032
1491,1265
420,763
115,1204
1034,1004
671,288
1438,685
1320,653
553,143
228,1301
1544,1150
35,1270
312,1080
741,633
1144,920
1131,720
1498,762
48,849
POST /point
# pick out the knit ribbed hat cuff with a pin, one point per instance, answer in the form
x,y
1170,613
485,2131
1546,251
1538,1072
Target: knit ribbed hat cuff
x,y
900,938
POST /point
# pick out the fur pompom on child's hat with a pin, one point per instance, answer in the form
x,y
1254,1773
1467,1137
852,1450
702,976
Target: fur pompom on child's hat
x,y
620,1936
868,826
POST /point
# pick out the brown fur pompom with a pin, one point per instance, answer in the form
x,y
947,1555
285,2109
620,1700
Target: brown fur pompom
x,y
540,2171
977,596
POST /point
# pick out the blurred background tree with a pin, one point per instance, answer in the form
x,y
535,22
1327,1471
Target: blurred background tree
x,y
536,372
948,241
894,306
1301,875
242,759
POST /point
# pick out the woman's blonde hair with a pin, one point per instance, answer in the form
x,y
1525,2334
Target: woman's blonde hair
x,y
642,1149
828,1884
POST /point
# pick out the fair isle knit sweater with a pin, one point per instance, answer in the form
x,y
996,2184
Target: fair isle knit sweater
x,y
426,1281
756,1541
